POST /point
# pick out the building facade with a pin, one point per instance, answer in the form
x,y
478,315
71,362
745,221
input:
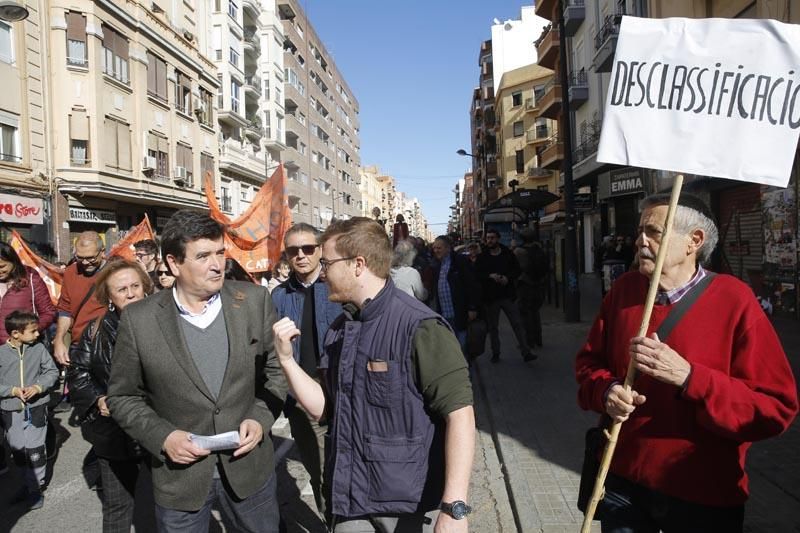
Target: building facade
x,y
322,127
758,224
131,114
26,171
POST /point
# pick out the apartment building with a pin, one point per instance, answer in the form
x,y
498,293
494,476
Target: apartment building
x,y
609,194
244,40
322,126
131,113
468,213
370,189
25,168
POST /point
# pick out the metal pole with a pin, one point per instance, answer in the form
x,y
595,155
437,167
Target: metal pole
x,y
572,297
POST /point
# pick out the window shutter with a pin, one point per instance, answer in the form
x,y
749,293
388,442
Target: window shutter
x,y
163,145
109,37
161,78
78,126
151,73
110,143
124,146
152,142
121,46
76,27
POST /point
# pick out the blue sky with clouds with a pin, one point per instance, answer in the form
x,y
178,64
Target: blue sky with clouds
x,y
412,66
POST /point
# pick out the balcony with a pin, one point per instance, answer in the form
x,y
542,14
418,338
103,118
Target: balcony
x,y
252,86
254,129
550,104
553,154
252,42
537,135
253,5
491,167
605,44
547,48
574,13
286,11
546,9
578,88
487,93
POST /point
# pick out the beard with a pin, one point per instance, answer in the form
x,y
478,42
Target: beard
x,y
86,270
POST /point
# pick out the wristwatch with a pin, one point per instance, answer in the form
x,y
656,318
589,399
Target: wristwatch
x,y
457,509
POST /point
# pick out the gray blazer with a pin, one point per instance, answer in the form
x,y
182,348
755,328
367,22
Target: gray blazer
x,y
155,388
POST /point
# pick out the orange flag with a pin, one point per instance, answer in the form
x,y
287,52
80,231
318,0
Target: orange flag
x,y
51,274
124,248
255,239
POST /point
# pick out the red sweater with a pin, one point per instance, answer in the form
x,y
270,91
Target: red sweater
x,y
73,290
25,298
692,444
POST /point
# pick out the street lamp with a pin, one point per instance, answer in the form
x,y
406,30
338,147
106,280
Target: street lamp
x,y
461,151
11,11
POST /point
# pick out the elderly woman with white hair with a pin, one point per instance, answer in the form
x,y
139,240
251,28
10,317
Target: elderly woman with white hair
x,y
405,277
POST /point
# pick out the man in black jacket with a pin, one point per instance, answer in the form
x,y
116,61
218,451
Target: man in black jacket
x,y
456,293
497,270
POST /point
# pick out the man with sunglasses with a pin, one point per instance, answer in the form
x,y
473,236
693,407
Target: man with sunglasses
x,y
77,306
304,299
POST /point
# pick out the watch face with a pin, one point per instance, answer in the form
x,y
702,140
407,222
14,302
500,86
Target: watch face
x,y
459,510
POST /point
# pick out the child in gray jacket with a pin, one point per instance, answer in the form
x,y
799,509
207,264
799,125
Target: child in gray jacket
x,y
26,373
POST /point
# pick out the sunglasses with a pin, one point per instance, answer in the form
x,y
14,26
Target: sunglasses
x,y
308,249
164,273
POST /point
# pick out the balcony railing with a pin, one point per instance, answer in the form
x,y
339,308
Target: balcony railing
x,y
574,13
605,43
586,149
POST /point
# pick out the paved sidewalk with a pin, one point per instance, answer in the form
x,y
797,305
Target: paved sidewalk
x,y
540,429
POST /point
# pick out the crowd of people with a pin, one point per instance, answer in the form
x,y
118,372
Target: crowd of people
x,y
180,362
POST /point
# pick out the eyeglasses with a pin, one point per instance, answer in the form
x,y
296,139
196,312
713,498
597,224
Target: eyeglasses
x,y
140,255
325,263
308,249
89,260
164,273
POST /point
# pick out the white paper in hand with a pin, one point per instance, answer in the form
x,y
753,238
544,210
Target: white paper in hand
x,y
214,443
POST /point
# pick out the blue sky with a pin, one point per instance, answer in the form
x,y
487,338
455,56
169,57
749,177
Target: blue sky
x,y
412,66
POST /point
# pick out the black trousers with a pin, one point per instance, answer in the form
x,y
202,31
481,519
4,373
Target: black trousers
x,y
631,508
119,493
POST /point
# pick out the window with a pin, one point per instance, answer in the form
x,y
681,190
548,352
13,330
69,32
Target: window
x,y
301,147
183,93
518,129
9,138
516,98
76,40
158,148
220,96
79,138
244,193
183,158
233,57
6,43
116,144
204,109
156,77
233,9
520,160
115,56
235,90
207,166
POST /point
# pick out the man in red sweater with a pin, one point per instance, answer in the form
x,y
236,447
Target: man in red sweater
x,y
720,381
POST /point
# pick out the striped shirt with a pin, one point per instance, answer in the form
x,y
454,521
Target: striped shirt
x,y
674,296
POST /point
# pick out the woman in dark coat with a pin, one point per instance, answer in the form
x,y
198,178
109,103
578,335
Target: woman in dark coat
x,y
118,284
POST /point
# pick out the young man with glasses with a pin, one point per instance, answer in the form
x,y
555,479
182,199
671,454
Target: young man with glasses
x,y
304,299
146,253
396,394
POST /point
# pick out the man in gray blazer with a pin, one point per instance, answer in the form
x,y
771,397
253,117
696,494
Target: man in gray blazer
x,y
199,360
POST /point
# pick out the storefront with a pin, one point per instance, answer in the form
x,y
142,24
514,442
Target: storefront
x,y
29,216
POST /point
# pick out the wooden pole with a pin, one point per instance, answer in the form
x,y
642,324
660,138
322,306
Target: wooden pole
x,y
613,434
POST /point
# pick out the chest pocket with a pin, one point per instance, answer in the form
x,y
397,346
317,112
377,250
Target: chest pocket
x,y
383,382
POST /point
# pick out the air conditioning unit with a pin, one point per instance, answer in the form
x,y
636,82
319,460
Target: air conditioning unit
x,y
149,163
180,173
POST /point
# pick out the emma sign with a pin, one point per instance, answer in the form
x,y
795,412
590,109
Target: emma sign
x,y
21,210
713,97
627,181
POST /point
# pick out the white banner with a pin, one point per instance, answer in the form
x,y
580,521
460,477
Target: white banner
x,y
713,97
21,209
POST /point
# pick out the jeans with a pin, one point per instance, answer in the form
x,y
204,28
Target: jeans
x,y
511,310
631,508
256,514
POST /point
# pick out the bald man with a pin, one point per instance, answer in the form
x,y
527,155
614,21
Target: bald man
x,y
77,306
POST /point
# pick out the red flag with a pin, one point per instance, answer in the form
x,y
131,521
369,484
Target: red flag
x,y
124,248
50,274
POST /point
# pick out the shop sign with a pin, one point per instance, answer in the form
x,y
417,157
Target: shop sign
x,y
21,210
625,181
96,216
582,201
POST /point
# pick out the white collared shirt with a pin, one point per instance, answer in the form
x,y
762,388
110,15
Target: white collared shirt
x,y
204,318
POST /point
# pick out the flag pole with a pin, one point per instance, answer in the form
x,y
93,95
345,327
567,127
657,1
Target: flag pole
x,y
613,434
